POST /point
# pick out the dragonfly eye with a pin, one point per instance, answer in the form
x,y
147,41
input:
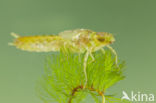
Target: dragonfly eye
x,y
101,39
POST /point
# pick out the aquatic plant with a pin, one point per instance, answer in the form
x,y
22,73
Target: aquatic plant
x,y
63,80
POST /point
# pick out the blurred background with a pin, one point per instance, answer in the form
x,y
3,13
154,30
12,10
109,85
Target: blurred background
x,y
133,22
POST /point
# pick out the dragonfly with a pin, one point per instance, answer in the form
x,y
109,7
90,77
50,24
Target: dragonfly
x,y
78,41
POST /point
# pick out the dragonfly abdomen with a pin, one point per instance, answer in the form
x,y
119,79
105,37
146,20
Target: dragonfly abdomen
x,y
39,43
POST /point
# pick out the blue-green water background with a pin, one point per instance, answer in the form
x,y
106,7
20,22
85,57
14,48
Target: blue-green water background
x,y
133,22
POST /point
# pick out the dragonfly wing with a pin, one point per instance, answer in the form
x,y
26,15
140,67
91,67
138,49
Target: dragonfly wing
x,y
68,35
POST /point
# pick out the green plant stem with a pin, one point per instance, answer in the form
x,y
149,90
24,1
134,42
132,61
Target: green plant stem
x,y
73,93
82,88
103,98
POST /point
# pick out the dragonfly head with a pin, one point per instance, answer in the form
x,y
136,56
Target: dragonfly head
x,y
104,38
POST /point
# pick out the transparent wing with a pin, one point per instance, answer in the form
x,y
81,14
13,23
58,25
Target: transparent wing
x,y
69,34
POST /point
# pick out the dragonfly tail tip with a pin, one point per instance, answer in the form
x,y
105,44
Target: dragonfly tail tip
x,y
14,35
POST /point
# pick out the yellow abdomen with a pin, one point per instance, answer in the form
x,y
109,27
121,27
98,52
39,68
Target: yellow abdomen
x,y
39,43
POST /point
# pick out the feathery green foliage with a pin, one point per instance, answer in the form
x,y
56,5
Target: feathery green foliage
x,y
64,79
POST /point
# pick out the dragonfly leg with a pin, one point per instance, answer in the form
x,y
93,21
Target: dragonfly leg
x,y
93,59
85,67
114,52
